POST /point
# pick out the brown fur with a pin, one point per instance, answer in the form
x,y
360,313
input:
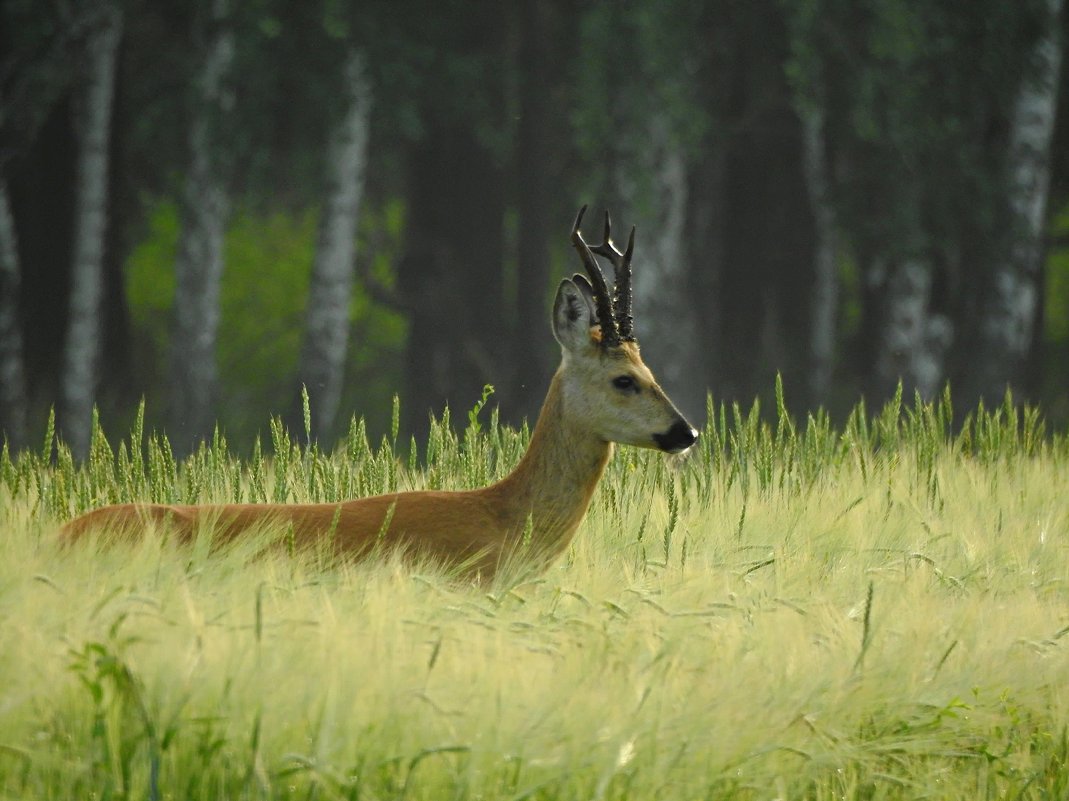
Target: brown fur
x,y
545,496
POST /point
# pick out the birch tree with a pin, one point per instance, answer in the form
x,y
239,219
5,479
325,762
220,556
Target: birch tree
x,y
809,85
656,203
914,99
825,297
854,95
914,338
205,206
83,340
912,334
322,361
12,370
1008,328
640,128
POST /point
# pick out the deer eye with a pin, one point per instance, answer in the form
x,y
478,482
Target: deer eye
x,y
624,382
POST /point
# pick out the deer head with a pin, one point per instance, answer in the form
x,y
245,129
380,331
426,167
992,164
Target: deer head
x,y
606,384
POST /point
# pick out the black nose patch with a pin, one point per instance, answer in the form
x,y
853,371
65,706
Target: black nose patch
x,y
678,438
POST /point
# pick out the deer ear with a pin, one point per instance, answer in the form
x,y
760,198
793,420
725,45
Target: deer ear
x,y
572,316
583,283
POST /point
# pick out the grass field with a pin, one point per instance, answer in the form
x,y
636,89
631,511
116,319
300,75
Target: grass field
x,y
794,610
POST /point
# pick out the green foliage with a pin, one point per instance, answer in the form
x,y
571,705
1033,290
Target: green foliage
x,y
912,93
263,297
150,279
616,103
1056,296
1055,370
379,331
264,292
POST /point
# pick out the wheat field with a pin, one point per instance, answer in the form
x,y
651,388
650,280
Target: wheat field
x,y
794,610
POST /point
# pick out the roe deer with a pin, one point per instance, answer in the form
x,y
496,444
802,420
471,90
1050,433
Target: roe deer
x,y
602,393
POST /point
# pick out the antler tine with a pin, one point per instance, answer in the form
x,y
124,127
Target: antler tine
x,y
621,263
607,248
622,295
602,300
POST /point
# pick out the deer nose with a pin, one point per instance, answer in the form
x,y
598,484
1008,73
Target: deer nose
x,y
678,438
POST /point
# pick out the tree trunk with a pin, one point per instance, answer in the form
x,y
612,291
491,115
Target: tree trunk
x,y
82,347
41,186
199,263
656,204
913,339
536,181
707,242
769,236
12,370
322,365
708,201
451,274
1008,327
37,81
825,295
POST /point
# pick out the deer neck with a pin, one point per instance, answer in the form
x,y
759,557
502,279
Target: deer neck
x,y
551,487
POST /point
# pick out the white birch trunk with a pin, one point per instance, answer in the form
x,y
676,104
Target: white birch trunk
x,y
825,298
664,312
81,352
1009,322
199,263
12,372
914,340
326,336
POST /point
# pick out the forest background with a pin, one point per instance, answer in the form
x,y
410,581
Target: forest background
x,y
212,203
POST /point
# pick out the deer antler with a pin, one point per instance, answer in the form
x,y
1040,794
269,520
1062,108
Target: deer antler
x,y
621,262
610,335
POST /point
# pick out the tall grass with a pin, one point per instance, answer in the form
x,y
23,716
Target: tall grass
x,y
795,610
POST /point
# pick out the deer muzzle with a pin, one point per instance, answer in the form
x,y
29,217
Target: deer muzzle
x,y
677,438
